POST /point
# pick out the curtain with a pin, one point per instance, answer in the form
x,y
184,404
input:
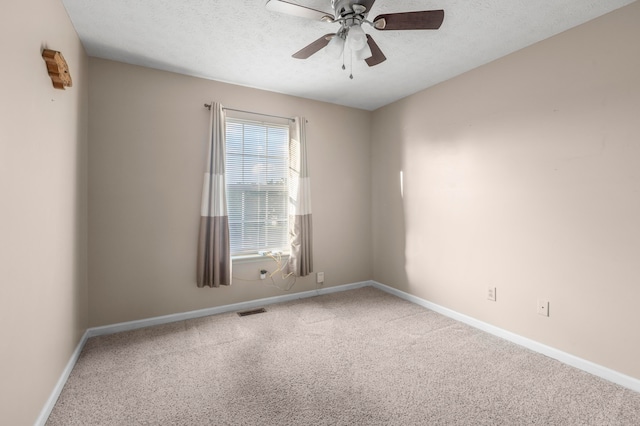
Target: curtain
x,y
214,253
300,225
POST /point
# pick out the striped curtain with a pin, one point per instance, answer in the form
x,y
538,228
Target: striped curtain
x,y
214,254
300,224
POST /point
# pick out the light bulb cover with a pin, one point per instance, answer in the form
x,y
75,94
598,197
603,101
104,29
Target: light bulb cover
x,y
363,53
356,39
335,46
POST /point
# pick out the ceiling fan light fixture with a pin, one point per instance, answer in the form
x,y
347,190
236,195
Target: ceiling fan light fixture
x,y
363,53
335,46
356,39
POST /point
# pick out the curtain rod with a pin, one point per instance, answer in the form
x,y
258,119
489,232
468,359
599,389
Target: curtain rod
x,y
208,106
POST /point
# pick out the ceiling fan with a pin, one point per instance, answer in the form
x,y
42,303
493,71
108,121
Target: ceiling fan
x,y
351,14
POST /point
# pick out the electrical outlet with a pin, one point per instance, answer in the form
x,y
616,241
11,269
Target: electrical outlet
x,y
491,293
320,277
543,307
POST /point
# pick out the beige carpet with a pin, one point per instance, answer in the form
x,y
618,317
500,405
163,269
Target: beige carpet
x,y
361,357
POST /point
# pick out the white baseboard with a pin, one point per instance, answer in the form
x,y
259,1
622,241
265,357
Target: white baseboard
x,y
582,364
132,325
51,402
572,360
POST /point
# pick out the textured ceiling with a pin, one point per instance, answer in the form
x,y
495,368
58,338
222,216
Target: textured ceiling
x,y
240,42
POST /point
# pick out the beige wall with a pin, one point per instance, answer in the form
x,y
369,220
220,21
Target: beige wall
x,y
523,174
148,133
43,207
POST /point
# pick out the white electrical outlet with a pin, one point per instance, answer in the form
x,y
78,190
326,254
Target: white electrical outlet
x,y
543,307
320,277
491,293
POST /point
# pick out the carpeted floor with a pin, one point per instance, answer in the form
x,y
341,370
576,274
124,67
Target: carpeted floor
x,y
361,357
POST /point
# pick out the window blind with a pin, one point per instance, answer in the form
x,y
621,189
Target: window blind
x,y
257,159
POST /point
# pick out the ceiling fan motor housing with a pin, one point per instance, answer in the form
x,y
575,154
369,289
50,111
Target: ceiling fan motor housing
x,y
349,10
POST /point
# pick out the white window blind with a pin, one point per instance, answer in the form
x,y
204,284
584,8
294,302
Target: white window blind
x,y
257,160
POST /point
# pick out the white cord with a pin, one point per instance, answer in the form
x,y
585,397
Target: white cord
x,y
277,258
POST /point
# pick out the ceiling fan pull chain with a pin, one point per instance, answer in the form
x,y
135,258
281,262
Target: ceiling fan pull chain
x,y
351,64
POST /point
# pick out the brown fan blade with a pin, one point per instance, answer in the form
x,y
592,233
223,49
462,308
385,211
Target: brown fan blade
x,y
320,43
281,6
376,54
424,20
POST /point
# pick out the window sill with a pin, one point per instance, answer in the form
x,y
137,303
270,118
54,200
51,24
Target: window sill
x,y
249,258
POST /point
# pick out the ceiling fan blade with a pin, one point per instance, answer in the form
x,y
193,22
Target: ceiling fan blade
x,y
376,54
424,20
320,43
281,6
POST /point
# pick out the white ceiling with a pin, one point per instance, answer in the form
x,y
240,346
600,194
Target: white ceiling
x,y
240,42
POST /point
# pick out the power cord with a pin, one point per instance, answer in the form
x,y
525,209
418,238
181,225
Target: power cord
x,y
277,258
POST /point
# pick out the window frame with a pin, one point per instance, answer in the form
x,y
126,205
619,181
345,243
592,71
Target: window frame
x,y
260,252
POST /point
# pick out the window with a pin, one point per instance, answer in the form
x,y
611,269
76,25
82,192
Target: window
x,y
257,165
